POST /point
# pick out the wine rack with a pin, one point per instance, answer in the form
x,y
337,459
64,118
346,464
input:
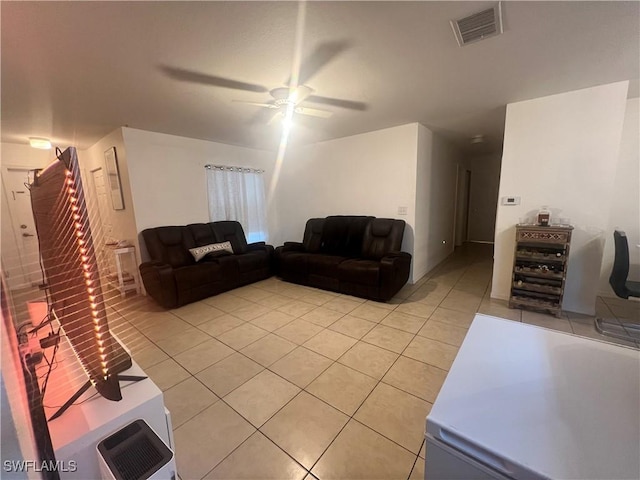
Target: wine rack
x,y
540,267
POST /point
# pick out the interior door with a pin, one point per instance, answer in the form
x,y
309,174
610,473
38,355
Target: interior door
x,y
25,259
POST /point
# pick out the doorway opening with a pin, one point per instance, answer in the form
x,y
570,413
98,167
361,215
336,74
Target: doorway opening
x,y
463,196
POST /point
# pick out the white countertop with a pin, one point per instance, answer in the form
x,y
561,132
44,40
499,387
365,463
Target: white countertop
x,y
536,403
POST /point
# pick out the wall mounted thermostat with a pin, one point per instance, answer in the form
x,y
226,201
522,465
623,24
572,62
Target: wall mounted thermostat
x,y
510,200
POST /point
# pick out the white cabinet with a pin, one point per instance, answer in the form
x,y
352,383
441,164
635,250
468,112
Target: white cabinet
x,y
75,434
524,402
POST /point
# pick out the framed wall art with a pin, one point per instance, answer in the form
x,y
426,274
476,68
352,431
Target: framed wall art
x,y
113,174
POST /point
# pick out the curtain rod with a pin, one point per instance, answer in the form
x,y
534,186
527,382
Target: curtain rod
x,y
233,168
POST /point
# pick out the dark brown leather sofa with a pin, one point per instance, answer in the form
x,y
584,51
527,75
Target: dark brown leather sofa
x,y
173,278
356,255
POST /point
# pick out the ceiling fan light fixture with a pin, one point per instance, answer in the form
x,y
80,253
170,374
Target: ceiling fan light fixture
x,y
287,122
40,143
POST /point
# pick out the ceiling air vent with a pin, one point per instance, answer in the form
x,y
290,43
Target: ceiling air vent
x,y
481,25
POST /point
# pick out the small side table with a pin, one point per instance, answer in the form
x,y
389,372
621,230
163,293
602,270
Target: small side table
x,y
124,281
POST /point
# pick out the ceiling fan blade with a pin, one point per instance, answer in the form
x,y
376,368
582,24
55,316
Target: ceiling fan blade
x,y
314,112
337,102
258,104
275,117
260,117
323,54
205,79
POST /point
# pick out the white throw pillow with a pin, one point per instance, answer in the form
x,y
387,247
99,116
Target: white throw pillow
x,y
200,252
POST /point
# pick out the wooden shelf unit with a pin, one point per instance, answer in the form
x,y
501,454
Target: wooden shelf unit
x,y
540,267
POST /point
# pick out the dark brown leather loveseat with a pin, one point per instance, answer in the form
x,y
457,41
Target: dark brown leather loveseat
x,y
173,277
356,255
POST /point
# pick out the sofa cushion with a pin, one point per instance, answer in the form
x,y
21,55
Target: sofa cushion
x,y
312,240
230,231
324,265
229,268
254,260
202,234
170,245
358,271
382,235
342,234
334,234
294,263
213,250
195,276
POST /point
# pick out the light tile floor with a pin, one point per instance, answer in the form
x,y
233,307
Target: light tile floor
x,y
276,380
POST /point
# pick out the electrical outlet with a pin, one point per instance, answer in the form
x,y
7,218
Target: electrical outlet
x,y
402,210
510,201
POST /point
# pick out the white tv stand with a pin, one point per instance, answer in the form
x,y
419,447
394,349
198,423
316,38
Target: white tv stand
x,y
91,418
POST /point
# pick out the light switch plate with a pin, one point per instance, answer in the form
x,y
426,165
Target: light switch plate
x,y
402,210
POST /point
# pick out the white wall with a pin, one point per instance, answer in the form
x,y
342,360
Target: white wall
x,y
485,181
434,202
561,151
625,202
372,173
167,176
123,222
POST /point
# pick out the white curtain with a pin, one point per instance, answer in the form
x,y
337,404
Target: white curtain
x,y
238,194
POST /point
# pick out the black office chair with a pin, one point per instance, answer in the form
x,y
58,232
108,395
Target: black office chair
x,y
623,288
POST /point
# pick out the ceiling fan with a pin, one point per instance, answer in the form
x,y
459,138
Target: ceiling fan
x,y
282,97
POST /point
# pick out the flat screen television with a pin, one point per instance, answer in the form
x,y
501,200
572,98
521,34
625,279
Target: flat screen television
x,y
71,272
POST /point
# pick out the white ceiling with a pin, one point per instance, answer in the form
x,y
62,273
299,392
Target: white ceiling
x,y
74,71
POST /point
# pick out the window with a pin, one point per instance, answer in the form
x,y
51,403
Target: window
x,y
238,194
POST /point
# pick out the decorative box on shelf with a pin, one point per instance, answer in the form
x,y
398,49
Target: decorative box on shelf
x,y
540,267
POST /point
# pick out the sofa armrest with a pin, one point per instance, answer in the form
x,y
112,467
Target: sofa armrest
x,y
268,249
396,261
394,272
256,246
159,282
155,266
402,255
293,247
